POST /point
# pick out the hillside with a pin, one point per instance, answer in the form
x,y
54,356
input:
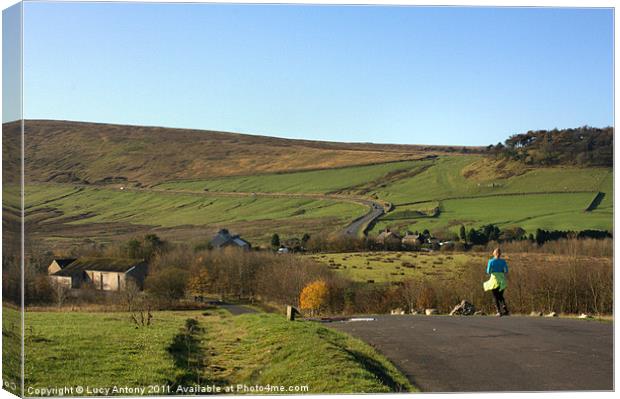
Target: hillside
x,y
77,152
110,182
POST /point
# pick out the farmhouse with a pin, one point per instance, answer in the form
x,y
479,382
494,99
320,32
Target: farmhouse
x,y
388,238
412,240
106,274
223,238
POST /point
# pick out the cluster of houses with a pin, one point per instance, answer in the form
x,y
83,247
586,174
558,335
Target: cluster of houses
x,y
392,240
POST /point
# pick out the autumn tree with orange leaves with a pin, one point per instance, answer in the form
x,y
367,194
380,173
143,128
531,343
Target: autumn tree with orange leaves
x,y
314,296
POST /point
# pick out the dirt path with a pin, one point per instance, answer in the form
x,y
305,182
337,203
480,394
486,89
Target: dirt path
x,y
236,310
473,354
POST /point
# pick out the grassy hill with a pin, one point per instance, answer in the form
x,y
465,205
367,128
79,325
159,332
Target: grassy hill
x,y
465,189
62,211
188,183
63,151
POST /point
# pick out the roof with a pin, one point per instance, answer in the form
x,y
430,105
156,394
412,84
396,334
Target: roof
x,y
64,262
240,241
119,265
388,234
223,237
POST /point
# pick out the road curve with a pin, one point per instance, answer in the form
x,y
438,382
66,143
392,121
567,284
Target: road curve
x,y
359,225
474,354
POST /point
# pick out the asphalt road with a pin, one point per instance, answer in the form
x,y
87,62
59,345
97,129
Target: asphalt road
x,y
355,227
474,354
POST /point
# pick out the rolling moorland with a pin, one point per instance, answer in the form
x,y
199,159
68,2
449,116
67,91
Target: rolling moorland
x,y
115,181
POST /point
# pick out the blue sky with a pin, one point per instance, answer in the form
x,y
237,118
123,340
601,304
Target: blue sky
x,y
465,76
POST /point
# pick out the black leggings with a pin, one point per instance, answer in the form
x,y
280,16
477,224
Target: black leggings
x,y
500,302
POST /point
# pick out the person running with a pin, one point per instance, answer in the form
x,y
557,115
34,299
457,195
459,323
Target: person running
x,y
497,268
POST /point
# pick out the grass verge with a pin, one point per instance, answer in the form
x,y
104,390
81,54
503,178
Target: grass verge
x,y
189,348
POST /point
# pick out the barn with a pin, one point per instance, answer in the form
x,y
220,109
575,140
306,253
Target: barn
x,y
106,274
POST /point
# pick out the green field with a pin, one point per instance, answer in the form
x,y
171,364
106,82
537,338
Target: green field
x,y
395,266
445,179
319,181
105,349
549,211
468,190
548,198
98,205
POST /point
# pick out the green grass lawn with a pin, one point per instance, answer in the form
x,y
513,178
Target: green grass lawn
x,y
319,181
98,205
105,349
395,266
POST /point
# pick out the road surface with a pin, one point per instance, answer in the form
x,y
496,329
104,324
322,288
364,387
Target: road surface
x,y
473,354
356,227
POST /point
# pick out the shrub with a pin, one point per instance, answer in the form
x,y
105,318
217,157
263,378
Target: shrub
x,y
168,284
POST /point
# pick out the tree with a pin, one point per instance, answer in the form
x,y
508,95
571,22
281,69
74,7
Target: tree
x,y
168,284
462,233
314,296
304,239
200,283
471,236
133,249
61,293
275,241
130,294
409,291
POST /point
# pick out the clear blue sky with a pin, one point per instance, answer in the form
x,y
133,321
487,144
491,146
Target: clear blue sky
x,y
465,76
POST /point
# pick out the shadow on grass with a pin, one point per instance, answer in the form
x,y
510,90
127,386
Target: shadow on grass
x,y
377,369
189,357
373,366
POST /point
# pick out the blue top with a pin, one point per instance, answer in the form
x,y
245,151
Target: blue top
x,y
497,266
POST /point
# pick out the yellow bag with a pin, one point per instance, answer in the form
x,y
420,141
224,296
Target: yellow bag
x,y
497,280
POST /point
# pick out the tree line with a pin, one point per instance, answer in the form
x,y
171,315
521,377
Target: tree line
x,y
584,146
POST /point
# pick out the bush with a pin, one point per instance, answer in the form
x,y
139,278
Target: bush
x,y
168,284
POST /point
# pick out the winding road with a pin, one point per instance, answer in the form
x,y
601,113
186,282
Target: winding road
x,y
359,225
474,354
